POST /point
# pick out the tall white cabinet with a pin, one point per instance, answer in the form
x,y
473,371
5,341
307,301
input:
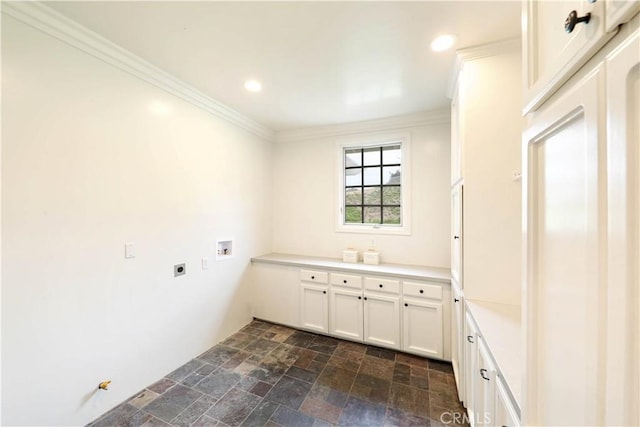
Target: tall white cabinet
x,y
623,246
580,217
486,244
486,190
564,217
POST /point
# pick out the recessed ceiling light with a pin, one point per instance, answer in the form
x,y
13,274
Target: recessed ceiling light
x,y
442,43
253,86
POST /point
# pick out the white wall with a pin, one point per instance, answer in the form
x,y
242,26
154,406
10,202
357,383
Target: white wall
x,y
305,199
93,158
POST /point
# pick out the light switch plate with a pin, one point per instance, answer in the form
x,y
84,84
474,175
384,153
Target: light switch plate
x,y
129,250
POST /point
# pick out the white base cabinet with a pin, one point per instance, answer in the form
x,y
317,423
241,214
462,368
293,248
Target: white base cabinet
x,y
365,316
417,336
314,304
276,293
386,311
382,320
314,301
422,305
486,395
504,414
470,363
483,386
457,339
346,314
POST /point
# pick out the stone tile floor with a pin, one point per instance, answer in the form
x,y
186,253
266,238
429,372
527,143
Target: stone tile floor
x,y
272,375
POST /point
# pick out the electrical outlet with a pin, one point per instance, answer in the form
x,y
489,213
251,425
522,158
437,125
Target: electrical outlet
x,y
179,270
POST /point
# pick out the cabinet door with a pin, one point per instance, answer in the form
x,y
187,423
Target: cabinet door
x,y
470,356
552,55
484,389
457,339
564,212
346,314
623,296
456,234
382,320
314,313
505,413
422,327
620,11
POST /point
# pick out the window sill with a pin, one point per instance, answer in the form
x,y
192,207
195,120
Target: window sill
x,y
373,229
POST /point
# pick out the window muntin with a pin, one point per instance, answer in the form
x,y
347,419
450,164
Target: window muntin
x,y
372,185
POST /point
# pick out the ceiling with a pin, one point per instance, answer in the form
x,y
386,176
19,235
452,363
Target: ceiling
x,y
320,63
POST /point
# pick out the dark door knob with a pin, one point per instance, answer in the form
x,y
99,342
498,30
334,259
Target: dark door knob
x,y
573,19
482,372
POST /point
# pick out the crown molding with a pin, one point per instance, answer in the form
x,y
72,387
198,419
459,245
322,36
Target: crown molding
x,y
478,52
426,118
490,49
53,23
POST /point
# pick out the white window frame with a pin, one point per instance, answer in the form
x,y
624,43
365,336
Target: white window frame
x,y
363,141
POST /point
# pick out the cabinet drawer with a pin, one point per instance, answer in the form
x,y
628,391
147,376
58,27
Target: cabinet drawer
x,y
422,290
348,280
382,285
553,54
314,276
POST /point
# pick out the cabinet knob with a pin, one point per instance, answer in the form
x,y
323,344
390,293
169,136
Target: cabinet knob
x,y
365,298
482,372
456,300
470,338
313,277
406,305
344,281
324,292
421,291
359,297
573,19
456,237
380,285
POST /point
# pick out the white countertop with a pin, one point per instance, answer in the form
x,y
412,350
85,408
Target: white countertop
x,y
500,326
415,272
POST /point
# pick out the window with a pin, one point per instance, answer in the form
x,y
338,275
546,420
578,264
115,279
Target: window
x,y
372,186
